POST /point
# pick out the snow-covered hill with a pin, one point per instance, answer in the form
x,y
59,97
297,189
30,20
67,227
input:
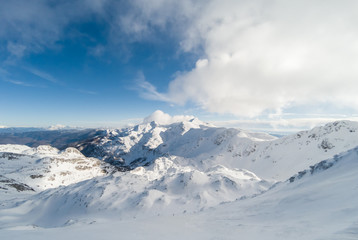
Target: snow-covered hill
x,y
164,188
320,204
29,170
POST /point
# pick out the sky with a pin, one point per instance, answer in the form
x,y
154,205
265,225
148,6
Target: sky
x,y
242,63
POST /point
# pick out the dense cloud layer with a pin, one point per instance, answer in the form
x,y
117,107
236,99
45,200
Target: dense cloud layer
x,y
265,56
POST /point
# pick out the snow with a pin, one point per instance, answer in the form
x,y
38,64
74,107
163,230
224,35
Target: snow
x,y
198,144
161,189
318,206
46,167
187,180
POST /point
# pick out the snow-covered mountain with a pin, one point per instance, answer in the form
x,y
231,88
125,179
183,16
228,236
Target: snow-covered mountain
x,y
189,171
202,145
320,204
30,170
164,188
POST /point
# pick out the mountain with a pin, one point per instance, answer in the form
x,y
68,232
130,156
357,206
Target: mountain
x,y
202,145
19,129
34,137
214,181
164,188
317,203
141,144
320,204
29,170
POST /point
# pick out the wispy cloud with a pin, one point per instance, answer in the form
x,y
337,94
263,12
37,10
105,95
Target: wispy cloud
x,y
41,25
43,75
4,72
147,90
97,51
6,77
87,92
38,25
16,82
16,50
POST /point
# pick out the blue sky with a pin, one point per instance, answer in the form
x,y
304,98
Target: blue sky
x,y
83,76
256,64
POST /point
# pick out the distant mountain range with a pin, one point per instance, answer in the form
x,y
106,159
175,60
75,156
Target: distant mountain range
x,y
34,137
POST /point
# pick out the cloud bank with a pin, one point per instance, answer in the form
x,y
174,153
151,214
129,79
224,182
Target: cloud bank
x,y
264,56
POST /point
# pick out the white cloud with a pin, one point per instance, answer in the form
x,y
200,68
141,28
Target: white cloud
x,y
164,118
264,56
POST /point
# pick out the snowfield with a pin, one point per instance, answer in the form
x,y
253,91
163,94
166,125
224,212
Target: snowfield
x,y
185,179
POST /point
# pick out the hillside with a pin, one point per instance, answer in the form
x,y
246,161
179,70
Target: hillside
x,y
320,204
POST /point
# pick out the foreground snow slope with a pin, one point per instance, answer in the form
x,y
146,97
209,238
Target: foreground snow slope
x,y
321,204
195,143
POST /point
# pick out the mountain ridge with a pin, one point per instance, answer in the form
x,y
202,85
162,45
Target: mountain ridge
x,y
207,145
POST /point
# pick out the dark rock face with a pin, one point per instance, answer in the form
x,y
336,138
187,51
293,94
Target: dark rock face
x,y
7,183
321,166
